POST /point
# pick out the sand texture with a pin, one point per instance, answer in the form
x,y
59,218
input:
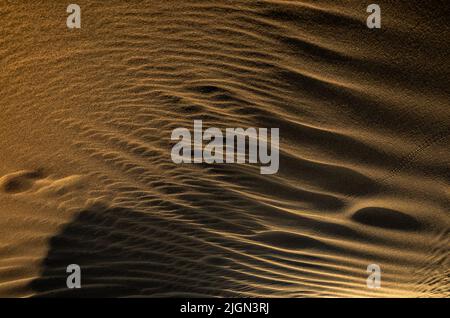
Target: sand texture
x,y
86,175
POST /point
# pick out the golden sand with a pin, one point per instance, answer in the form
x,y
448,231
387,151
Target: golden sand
x,y
85,169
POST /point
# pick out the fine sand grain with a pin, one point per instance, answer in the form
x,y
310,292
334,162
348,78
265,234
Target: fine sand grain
x,y
86,175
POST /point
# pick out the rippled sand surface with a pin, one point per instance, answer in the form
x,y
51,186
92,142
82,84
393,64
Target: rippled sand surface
x,y
86,175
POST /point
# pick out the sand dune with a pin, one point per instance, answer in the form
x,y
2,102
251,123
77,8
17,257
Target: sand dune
x,y
86,175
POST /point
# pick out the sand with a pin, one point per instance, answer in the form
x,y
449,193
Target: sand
x,y
86,175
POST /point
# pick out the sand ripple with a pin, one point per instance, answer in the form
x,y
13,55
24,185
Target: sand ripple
x,y
86,175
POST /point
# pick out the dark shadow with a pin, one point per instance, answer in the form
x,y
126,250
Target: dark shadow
x,y
386,218
123,252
